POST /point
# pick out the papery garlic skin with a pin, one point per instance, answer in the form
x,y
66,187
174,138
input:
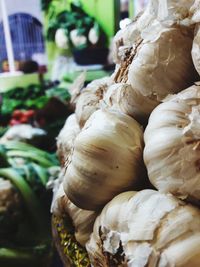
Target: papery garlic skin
x,y
163,65
158,63
66,137
89,100
168,12
195,12
172,145
106,160
123,98
75,89
146,229
165,12
123,40
196,48
82,220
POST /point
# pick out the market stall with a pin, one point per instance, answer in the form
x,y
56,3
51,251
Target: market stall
x,y
130,152
100,155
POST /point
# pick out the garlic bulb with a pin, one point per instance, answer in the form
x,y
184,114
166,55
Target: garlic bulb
x,y
149,67
146,229
77,39
66,138
159,64
124,23
196,48
172,145
93,35
168,12
106,160
162,63
61,39
123,41
88,101
82,220
163,12
195,12
123,98
75,89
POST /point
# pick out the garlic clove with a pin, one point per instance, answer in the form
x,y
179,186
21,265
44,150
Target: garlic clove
x,y
106,159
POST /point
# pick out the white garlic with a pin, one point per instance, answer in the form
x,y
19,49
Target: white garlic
x,y
82,220
89,99
106,160
146,229
123,98
66,137
172,145
196,48
61,39
93,36
77,39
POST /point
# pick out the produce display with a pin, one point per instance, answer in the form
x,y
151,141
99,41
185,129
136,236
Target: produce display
x,y
123,188
152,56
32,97
121,97
90,97
70,251
196,48
74,28
25,235
77,33
108,148
146,229
70,232
20,116
24,132
139,125
175,126
63,205
66,138
43,106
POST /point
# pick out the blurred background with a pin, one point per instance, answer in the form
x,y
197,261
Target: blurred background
x,y
47,48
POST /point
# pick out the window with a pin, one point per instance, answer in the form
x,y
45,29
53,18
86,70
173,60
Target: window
x,y
25,27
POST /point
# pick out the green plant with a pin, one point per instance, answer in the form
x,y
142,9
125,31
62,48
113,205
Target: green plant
x,y
74,29
45,4
25,232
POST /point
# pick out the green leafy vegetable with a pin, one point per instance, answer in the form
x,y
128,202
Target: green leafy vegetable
x,y
28,238
60,93
32,97
75,18
31,201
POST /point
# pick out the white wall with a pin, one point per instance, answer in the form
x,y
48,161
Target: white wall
x,y
27,6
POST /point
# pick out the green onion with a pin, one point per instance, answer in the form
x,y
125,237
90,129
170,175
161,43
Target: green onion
x,y
33,205
41,172
16,145
23,257
30,155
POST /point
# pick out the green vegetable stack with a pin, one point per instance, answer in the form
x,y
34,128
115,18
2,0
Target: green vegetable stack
x,y
25,235
32,97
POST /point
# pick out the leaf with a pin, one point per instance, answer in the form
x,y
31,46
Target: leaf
x,y
37,103
60,93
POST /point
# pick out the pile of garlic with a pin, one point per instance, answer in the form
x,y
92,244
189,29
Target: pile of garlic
x,y
141,124
146,228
